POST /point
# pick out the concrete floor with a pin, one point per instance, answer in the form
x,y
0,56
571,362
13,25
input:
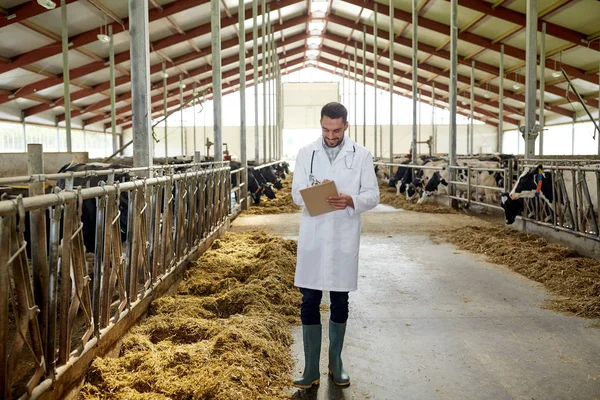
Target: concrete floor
x,y
431,322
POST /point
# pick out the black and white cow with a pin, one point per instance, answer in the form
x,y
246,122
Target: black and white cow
x,y
533,182
88,215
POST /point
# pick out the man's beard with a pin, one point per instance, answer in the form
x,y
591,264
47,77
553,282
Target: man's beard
x,y
339,142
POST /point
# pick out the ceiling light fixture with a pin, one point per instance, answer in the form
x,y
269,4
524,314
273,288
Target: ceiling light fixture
x,y
164,74
183,85
517,86
47,4
487,95
556,74
315,32
103,38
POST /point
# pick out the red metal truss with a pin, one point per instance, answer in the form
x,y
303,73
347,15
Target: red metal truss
x,y
461,78
158,111
383,78
196,72
125,56
461,60
90,36
175,79
24,11
470,38
518,18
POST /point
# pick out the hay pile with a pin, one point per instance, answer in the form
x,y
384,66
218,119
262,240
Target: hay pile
x,y
388,196
224,335
281,204
575,279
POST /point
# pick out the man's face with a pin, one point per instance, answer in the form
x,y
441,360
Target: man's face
x,y
333,130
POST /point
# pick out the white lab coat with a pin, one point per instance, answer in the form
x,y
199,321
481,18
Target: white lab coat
x,y
328,244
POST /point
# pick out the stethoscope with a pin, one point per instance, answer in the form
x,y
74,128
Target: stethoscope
x,y
315,181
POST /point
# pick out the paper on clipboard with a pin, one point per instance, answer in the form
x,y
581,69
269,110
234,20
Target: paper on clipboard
x,y
314,198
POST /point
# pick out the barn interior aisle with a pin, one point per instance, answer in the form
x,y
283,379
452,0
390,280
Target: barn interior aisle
x,y
430,321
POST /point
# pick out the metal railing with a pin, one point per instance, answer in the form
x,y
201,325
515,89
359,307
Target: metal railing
x,y
73,305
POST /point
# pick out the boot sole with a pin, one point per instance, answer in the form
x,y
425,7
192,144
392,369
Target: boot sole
x,y
337,383
314,383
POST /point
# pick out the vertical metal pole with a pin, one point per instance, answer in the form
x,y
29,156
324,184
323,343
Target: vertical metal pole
x,y
194,115
183,146
39,253
392,40
415,66
140,83
66,79
433,127
573,139
343,91
452,94
501,101
242,57
542,86
24,130
375,133
269,93
530,76
419,117
471,110
255,78
164,74
355,94
364,86
215,24
272,92
264,75
113,113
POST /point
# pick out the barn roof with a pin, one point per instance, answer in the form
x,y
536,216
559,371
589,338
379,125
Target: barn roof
x,y
180,34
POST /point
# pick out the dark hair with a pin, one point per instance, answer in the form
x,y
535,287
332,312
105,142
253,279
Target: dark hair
x,y
334,111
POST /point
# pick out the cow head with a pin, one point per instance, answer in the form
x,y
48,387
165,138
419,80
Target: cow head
x,y
268,191
511,207
530,182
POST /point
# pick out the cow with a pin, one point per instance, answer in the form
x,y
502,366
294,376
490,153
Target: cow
x,y
432,186
267,190
533,182
271,176
88,215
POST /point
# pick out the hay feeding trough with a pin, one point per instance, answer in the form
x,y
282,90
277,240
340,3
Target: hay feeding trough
x,y
224,334
574,280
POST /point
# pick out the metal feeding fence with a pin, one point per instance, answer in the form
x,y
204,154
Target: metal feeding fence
x,y
59,309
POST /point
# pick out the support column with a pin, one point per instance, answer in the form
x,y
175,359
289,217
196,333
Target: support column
x,y
471,109
39,253
392,32
66,79
242,57
140,83
264,81
364,69
268,55
113,113
356,94
452,94
24,130
255,78
530,79
415,66
215,24
181,115
375,68
433,127
194,115
165,76
542,87
501,101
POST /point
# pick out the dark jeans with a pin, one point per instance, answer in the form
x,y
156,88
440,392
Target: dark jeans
x,y
311,300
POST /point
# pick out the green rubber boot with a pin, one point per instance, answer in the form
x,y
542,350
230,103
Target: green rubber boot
x,y
336,343
311,335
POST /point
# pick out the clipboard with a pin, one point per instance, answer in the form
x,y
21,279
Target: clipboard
x,y
314,198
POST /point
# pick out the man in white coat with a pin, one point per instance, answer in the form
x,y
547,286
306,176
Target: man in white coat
x,y
328,243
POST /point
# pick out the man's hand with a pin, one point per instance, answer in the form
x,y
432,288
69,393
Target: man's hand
x,y
340,202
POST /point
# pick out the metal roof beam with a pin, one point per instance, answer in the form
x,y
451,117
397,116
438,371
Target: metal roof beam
x,y
158,110
90,36
124,56
518,18
470,37
22,12
196,72
461,60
